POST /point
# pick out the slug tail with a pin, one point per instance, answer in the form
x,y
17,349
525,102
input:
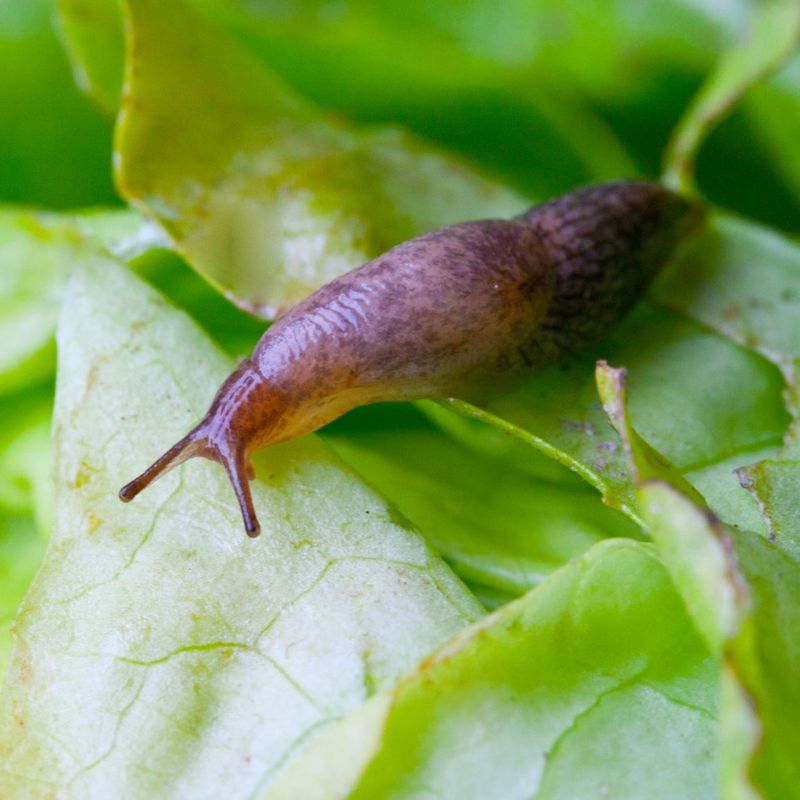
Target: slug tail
x,y
177,454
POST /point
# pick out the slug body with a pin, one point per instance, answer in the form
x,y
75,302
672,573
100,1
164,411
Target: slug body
x,y
439,314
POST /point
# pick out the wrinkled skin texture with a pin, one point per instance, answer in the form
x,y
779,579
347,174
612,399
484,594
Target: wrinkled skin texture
x,y
439,315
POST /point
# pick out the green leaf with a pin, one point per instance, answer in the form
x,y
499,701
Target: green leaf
x,y
693,417
496,525
37,252
94,40
760,715
54,147
774,36
693,545
21,550
265,195
699,553
160,651
749,625
593,684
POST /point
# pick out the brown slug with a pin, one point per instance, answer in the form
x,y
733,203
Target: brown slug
x,y
436,315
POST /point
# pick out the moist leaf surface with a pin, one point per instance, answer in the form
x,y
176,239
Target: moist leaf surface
x,y
200,658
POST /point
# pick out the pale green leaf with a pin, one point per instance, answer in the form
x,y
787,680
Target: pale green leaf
x,y
265,195
160,652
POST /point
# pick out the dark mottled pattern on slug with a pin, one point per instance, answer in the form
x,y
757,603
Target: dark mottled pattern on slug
x,y
606,243
440,315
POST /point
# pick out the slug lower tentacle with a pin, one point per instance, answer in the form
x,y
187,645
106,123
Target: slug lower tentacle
x,y
439,314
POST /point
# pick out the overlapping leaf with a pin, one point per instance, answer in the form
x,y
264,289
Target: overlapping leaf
x,y
498,526
269,198
750,625
546,698
555,77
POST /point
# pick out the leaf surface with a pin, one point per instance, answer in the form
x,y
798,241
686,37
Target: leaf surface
x,y
269,197
743,595
497,525
160,651
545,698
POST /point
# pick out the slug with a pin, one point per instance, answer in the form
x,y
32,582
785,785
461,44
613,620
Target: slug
x,y
436,315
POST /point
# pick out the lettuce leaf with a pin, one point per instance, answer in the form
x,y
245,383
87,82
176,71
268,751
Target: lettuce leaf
x,y
743,595
499,526
160,653
269,198
593,683
203,658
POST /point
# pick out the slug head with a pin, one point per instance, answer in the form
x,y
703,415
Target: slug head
x,y
232,428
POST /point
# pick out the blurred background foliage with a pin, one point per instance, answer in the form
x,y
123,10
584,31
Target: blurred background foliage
x,y
544,94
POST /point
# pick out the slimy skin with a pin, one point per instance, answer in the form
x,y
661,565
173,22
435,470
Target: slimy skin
x,y
437,316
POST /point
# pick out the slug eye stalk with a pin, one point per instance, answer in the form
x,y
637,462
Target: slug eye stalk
x,y
198,443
